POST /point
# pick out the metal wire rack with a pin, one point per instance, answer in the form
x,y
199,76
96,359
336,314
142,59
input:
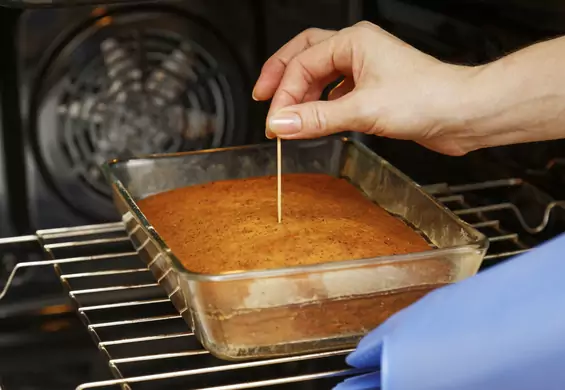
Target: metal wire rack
x,y
148,345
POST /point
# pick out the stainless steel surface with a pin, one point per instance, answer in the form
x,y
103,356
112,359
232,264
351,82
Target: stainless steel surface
x,y
216,306
152,349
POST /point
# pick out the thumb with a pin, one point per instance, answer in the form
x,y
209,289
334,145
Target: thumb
x,y
319,118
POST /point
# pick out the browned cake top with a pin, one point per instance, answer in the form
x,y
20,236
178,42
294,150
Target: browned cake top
x,y
232,225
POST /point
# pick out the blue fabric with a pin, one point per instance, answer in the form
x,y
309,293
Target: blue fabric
x,y
503,329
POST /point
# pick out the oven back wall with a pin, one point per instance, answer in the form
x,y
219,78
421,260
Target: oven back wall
x,y
114,82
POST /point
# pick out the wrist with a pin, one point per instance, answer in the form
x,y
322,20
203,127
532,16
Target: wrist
x,y
518,98
481,111
460,95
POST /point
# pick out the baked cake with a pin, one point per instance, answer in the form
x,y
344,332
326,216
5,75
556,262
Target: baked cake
x,y
229,226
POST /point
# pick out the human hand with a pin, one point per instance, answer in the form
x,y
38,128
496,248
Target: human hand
x,y
390,88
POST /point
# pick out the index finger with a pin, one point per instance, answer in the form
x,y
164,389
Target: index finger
x,y
326,60
274,68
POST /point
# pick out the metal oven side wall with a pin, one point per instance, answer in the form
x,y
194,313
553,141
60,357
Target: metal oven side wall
x,y
13,205
6,229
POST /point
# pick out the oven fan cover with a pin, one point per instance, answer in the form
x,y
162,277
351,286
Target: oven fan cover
x,y
127,85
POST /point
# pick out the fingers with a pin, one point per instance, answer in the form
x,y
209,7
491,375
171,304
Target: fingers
x,y
361,382
316,90
317,119
273,70
322,62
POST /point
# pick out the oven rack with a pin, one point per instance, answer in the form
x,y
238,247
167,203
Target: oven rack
x,y
146,342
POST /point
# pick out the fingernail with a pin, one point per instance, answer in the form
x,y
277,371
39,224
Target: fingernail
x,y
269,134
253,96
285,123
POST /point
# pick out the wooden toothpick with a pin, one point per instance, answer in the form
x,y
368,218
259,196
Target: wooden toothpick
x,y
279,180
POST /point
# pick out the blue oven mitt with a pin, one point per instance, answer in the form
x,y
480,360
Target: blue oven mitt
x,y
503,329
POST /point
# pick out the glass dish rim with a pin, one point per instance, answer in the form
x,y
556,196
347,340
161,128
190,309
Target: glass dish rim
x,y
479,242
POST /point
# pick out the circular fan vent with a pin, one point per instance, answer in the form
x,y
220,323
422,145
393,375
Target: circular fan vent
x,y
119,107
136,84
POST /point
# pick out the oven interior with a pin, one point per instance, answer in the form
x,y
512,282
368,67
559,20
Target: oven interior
x,y
126,334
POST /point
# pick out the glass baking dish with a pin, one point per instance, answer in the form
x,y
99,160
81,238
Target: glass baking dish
x,y
285,311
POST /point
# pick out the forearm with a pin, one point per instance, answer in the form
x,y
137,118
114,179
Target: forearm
x,y
518,98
